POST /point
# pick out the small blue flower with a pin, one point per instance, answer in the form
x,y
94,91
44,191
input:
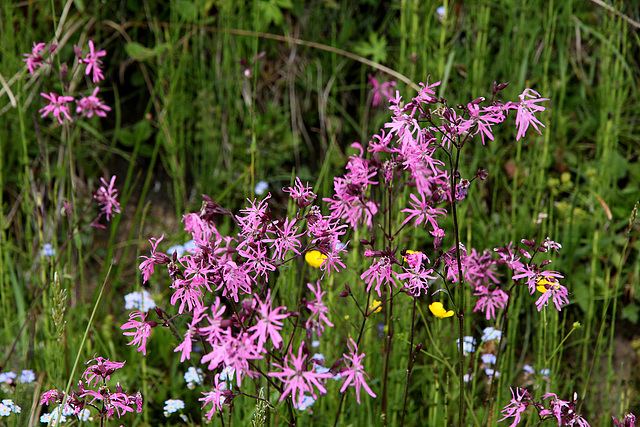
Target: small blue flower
x,y
321,369
490,333
467,377
7,377
48,250
490,372
468,345
84,415
545,372
140,300
528,369
193,375
27,376
172,405
54,418
261,187
306,402
7,407
489,358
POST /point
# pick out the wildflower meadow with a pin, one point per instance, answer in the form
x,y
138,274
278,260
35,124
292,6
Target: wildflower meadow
x,y
277,212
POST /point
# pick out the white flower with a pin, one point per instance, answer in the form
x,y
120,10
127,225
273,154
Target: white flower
x,y
5,411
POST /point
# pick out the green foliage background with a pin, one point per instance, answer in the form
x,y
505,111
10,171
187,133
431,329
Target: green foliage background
x,y
186,120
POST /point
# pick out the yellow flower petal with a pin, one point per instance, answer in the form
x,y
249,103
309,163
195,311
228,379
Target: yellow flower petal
x,y
375,306
543,285
315,258
409,251
438,310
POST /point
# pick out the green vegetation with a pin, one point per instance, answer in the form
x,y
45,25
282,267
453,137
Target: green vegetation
x,y
188,117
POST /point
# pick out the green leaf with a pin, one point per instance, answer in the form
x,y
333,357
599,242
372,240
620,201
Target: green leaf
x,y
376,48
271,13
631,312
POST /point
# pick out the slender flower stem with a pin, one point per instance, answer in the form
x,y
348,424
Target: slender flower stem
x,y
385,374
505,322
409,362
342,395
461,291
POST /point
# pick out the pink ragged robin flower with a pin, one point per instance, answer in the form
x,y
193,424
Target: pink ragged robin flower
x,y
354,375
318,309
628,421
235,280
551,288
142,330
94,63
564,411
90,105
187,293
381,273
417,276
269,322
423,212
185,346
285,239
297,378
517,406
234,352
146,266
57,106
533,275
218,325
34,59
102,370
302,194
490,300
106,197
117,402
217,396
526,111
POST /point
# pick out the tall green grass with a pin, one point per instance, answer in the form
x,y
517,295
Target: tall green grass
x,y
187,121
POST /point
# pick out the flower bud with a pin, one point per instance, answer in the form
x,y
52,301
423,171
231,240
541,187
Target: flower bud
x,y
482,174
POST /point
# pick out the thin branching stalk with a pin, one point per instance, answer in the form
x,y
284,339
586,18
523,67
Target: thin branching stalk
x,y
410,361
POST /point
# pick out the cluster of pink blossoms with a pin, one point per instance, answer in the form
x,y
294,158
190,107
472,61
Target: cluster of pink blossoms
x,y
86,106
223,286
405,156
564,411
99,396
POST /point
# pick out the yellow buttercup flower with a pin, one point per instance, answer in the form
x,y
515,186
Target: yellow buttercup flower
x,y
542,283
438,310
315,258
375,306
